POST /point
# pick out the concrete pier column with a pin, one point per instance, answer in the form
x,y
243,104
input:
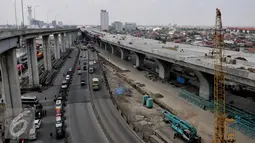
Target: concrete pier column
x,y
163,68
139,59
112,49
70,40
32,62
101,45
105,46
47,52
206,84
67,41
10,82
62,42
124,53
56,47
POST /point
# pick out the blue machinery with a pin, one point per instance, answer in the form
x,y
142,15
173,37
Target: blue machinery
x,y
182,128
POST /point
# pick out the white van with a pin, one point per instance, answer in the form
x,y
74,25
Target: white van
x,y
32,134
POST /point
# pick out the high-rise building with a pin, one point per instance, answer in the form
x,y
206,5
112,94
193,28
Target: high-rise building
x,y
54,23
104,20
29,9
117,25
130,26
60,24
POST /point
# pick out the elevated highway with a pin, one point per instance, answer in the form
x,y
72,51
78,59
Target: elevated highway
x,y
188,56
10,39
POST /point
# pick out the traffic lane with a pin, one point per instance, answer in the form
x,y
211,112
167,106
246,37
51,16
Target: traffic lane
x,y
83,123
84,126
68,64
116,127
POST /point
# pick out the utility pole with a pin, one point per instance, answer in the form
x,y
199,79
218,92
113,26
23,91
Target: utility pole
x,y
15,14
22,24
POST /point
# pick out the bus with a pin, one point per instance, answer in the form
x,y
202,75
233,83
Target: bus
x,y
29,100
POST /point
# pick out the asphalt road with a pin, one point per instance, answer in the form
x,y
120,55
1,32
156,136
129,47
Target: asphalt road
x,y
115,126
83,124
48,122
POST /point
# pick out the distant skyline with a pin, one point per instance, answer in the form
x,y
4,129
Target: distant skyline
x,y
143,12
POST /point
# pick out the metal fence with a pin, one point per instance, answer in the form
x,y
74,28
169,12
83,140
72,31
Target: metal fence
x,y
244,121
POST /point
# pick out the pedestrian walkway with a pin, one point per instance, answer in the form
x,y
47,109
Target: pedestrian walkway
x,y
203,120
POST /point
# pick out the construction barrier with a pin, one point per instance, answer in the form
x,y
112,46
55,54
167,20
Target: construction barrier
x,y
244,121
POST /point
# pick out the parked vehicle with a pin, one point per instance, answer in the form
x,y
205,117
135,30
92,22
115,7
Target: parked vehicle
x,y
33,134
37,123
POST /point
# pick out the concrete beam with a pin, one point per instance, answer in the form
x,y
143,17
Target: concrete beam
x,y
139,59
32,62
10,82
47,52
56,47
124,53
163,68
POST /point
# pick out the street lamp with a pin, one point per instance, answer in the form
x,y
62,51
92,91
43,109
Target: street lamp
x,y
15,14
22,14
48,16
34,10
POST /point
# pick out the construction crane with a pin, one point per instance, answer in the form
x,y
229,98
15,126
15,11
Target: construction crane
x,y
220,118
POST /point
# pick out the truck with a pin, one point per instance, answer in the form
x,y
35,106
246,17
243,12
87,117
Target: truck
x,y
95,84
91,67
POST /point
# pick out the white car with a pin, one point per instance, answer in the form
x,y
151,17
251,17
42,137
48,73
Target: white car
x,y
58,123
64,84
32,134
58,104
37,123
67,77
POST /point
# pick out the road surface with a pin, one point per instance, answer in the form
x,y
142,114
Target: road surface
x,y
83,124
115,126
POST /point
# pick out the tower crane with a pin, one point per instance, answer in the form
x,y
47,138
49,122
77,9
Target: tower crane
x,y
220,118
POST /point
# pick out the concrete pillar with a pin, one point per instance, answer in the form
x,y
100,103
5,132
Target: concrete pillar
x,y
206,87
62,42
32,62
70,40
101,45
139,59
67,41
56,47
10,82
124,53
164,68
105,46
47,53
112,49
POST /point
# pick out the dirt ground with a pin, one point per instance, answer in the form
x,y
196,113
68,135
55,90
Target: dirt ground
x,y
146,119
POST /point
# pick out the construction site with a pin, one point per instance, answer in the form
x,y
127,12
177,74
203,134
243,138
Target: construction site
x,y
149,105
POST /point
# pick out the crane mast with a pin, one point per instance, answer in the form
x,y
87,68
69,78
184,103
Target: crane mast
x,y
219,86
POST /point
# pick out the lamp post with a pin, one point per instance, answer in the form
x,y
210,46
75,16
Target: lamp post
x,y
48,16
15,14
34,10
22,14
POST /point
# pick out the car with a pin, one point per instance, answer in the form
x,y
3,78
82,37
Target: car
x,y
79,72
58,119
67,77
37,123
59,124
78,68
58,113
85,67
64,84
32,134
58,104
83,82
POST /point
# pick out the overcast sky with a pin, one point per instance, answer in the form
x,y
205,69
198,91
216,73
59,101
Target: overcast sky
x,y
149,12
